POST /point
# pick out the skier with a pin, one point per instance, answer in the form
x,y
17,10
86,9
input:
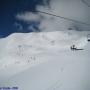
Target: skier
x,y
73,47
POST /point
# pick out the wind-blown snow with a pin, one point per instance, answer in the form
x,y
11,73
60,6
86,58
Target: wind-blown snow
x,y
21,56
73,9
22,50
43,60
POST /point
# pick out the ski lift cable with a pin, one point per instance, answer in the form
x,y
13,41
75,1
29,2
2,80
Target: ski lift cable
x,y
85,2
69,19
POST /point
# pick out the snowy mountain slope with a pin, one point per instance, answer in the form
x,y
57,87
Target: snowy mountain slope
x,y
20,51
61,68
65,70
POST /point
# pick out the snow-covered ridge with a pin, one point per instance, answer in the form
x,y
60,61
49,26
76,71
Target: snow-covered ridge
x,y
26,50
46,40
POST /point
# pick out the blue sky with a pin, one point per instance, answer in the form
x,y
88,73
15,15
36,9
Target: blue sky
x,y
8,10
73,9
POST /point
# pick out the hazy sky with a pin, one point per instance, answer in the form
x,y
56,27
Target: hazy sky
x,y
71,9
16,16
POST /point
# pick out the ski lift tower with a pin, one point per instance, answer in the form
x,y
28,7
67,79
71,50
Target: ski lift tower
x,y
88,37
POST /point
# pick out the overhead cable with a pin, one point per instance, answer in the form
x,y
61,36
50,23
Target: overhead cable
x,y
85,2
62,17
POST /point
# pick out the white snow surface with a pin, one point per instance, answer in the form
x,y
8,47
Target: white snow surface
x,y
44,61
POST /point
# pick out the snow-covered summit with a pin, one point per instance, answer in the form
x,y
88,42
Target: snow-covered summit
x,y
25,50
